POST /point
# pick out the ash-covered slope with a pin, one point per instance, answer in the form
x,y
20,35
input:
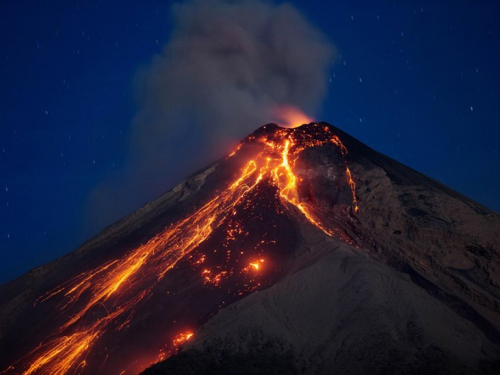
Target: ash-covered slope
x,y
344,314
418,292
364,259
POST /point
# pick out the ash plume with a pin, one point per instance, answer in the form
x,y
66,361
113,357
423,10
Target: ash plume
x,y
226,68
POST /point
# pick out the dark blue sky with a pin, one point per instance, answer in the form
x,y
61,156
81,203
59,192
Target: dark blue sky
x,y
416,80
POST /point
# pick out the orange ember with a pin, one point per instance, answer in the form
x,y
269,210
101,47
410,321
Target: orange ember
x,y
119,286
254,266
288,116
174,346
181,338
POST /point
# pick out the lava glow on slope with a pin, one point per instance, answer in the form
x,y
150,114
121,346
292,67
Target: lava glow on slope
x,y
177,342
119,286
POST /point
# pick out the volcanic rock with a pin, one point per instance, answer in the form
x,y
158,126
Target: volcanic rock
x,y
304,251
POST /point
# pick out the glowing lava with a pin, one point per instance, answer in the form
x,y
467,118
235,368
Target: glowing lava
x,y
254,266
174,346
181,338
109,295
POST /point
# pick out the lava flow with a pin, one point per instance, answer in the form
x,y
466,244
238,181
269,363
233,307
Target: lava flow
x,y
105,299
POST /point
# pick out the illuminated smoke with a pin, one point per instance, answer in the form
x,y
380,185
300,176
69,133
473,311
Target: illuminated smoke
x,y
223,73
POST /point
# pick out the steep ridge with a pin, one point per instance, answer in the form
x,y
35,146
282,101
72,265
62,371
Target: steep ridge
x,y
289,207
132,294
420,294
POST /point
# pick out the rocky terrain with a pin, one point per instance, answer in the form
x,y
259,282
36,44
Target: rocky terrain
x,y
370,267
417,293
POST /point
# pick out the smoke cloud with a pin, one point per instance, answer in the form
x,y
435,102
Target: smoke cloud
x,y
227,67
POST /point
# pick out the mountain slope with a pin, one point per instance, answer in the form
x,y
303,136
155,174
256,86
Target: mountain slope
x,y
351,315
311,207
423,298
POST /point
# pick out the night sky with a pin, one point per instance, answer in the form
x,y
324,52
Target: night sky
x,y
415,80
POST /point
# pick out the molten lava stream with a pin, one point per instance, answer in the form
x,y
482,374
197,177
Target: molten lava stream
x,y
119,286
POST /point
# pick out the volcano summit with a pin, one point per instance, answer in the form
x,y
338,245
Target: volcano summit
x,y
304,251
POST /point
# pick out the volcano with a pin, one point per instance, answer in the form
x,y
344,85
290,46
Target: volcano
x,y
304,251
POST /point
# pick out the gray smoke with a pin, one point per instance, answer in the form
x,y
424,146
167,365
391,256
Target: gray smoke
x,y
226,68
